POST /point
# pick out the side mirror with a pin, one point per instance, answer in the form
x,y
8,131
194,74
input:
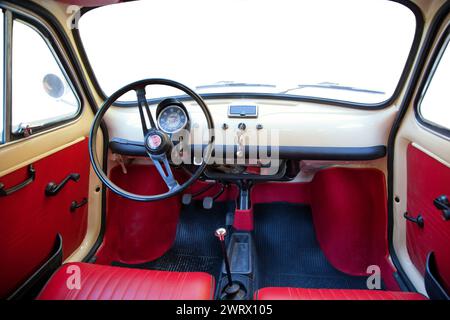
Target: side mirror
x,y
53,85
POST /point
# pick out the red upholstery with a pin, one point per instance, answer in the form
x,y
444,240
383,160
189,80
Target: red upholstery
x,y
350,215
427,179
137,232
99,282
333,294
29,220
294,192
243,220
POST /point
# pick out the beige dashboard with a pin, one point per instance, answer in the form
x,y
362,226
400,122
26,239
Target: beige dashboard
x,y
295,124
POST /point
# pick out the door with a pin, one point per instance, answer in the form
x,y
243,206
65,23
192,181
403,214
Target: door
x,y
421,186
44,159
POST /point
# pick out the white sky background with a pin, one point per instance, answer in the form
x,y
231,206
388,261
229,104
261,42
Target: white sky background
x,y
282,42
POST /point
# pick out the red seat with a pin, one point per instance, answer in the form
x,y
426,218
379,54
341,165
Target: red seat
x,y
333,294
99,282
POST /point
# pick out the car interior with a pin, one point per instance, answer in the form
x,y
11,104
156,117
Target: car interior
x,y
225,150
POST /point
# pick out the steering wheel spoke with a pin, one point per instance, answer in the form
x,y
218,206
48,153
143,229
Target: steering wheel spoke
x,y
165,171
143,105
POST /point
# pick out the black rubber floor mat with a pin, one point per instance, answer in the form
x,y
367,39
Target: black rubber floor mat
x,y
195,248
288,252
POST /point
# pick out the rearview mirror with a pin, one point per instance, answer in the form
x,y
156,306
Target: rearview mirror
x,y
53,85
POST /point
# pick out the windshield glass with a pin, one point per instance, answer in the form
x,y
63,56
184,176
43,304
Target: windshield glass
x,y
348,50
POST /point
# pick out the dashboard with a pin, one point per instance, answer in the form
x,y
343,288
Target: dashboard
x,y
296,130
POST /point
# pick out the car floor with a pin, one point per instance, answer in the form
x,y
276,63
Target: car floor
x,y
286,249
195,247
288,253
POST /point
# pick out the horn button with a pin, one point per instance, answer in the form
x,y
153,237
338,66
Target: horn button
x,y
157,142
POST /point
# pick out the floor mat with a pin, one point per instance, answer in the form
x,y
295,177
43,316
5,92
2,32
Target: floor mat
x,y
288,252
195,248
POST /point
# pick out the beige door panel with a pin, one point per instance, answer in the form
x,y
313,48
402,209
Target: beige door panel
x,y
18,154
431,143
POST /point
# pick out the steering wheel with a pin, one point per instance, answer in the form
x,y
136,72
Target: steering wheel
x,y
156,142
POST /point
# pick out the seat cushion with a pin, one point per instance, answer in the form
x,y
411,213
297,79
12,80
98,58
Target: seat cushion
x,y
99,282
333,294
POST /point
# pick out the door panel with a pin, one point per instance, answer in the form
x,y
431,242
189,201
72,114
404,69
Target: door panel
x,y
421,170
30,220
428,178
56,147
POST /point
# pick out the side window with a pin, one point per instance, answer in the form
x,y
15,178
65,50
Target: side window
x,y
435,105
41,94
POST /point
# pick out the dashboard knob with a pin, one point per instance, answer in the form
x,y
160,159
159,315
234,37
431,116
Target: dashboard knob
x,y
242,126
225,126
259,126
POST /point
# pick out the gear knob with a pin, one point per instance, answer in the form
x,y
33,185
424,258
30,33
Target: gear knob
x,y
221,233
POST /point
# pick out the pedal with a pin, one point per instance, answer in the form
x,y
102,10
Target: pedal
x,y
186,199
208,203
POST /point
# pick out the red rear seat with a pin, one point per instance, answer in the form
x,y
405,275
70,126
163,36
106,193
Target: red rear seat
x,y
333,294
99,282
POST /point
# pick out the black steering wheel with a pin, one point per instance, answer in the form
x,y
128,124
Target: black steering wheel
x,y
156,142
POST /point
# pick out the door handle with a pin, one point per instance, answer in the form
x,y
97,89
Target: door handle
x,y
76,205
418,220
31,176
442,203
53,189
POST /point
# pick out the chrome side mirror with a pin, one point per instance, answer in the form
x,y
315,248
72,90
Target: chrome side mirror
x,y
54,86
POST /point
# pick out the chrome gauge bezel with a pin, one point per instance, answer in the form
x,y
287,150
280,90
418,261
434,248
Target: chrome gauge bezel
x,y
172,104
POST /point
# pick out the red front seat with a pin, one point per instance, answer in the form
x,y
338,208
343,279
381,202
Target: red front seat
x,y
99,282
333,294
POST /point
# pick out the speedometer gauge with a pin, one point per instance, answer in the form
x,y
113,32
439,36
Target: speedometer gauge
x,y
172,116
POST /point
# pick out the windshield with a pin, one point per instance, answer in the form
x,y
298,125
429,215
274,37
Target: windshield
x,y
348,50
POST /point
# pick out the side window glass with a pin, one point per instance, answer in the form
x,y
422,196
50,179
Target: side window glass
x,y
41,94
435,105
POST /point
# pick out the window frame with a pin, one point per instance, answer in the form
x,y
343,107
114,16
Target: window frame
x,y
402,82
442,45
7,65
12,14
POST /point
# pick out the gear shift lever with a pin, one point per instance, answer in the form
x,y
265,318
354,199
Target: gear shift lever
x,y
232,290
